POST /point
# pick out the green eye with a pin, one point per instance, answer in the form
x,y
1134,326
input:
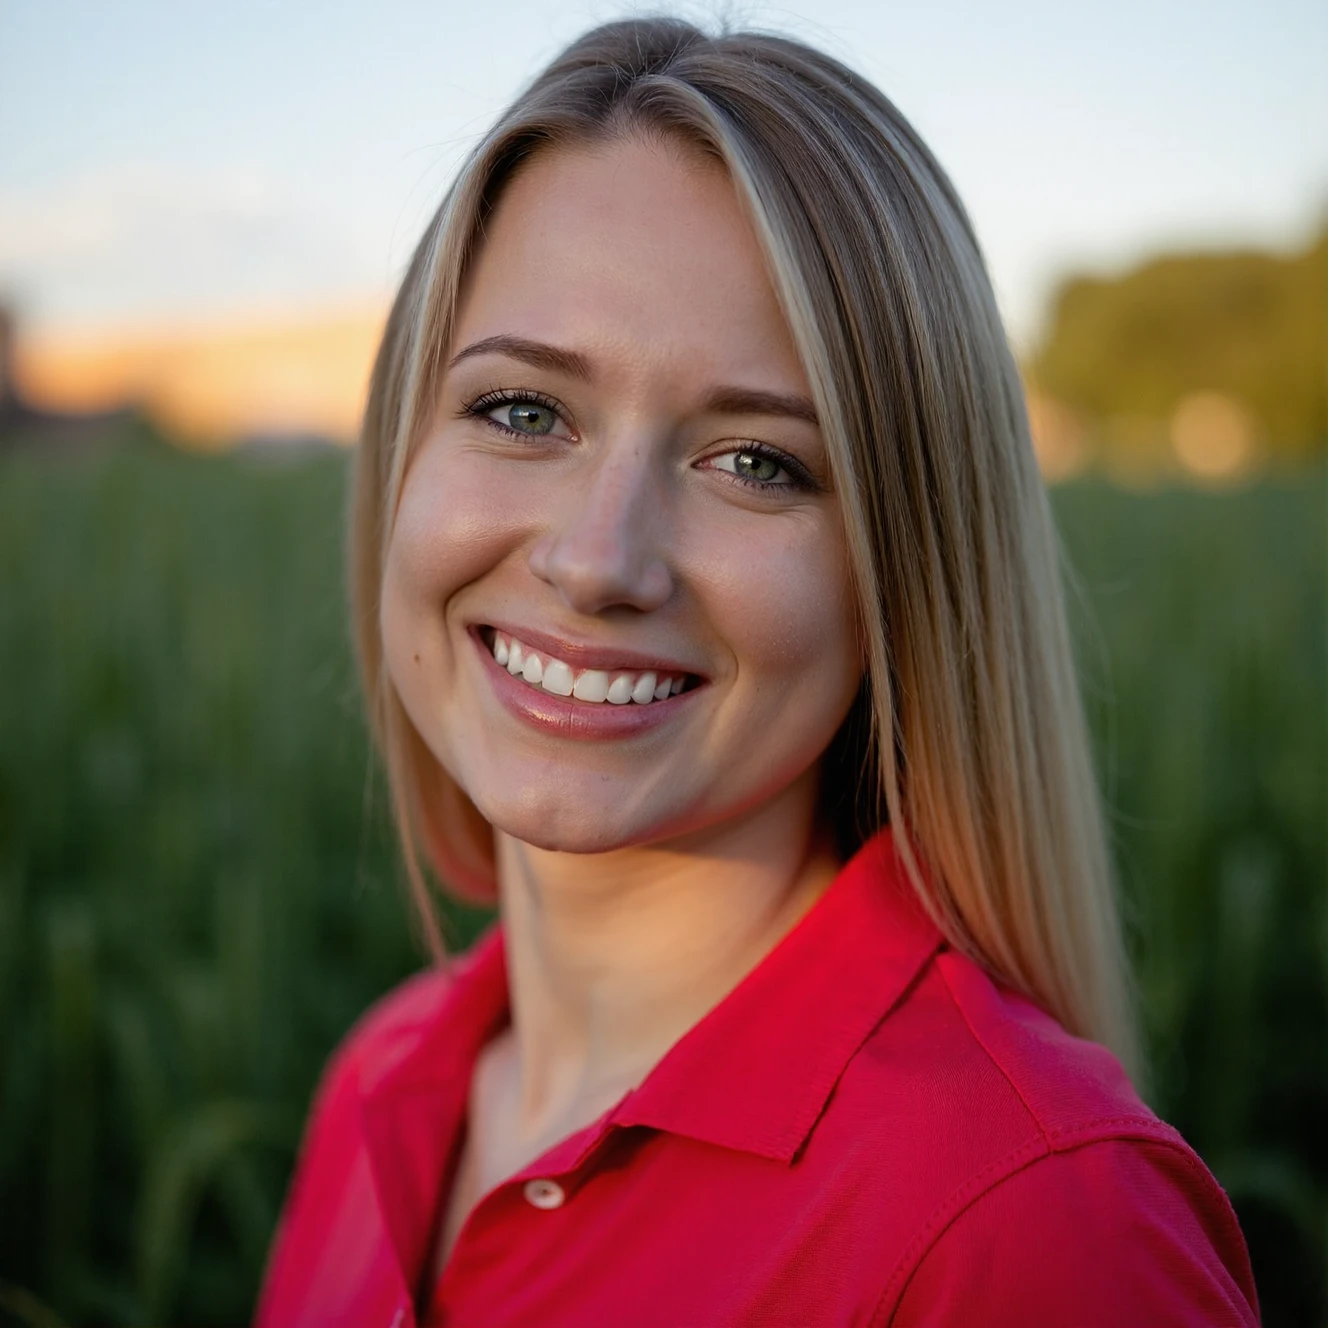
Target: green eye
x,y
753,466
530,417
761,469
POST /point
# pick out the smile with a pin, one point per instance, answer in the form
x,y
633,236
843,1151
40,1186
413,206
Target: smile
x,y
584,692
545,672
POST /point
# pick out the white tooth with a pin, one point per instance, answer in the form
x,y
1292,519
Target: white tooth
x,y
592,685
516,657
620,689
677,686
500,651
662,689
645,689
533,668
557,678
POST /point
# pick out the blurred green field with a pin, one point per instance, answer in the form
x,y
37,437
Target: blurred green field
x,y
199,889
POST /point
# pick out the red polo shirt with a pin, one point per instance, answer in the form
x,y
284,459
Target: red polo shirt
x,y
867,1130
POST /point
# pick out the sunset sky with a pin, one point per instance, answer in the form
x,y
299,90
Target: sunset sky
x,y
166,162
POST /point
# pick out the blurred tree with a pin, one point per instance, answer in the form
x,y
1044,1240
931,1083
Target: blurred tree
x,y
1250,326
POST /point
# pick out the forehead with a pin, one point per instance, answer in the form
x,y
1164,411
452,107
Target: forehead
x,y
636,253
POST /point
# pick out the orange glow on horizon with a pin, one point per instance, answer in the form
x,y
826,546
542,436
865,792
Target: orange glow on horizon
x,y
210,384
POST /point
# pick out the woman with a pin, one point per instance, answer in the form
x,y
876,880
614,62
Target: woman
x,y
707,606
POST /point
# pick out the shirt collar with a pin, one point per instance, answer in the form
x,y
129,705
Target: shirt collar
x,y
756,1072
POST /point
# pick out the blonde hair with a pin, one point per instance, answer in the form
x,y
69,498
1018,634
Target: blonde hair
x,y
968,736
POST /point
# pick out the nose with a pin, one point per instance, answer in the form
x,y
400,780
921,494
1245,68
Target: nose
x,y
603,547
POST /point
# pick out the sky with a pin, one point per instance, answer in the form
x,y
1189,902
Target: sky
x,y
200,161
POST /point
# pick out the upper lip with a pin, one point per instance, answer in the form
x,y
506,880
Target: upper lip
x,y
608,658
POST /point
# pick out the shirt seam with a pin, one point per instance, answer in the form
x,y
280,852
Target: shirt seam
x,y
1044,1144
887,1306
992,1057
1056,1134
944,1214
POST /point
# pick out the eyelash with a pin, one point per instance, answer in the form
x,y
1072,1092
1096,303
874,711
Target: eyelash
x,y
480,407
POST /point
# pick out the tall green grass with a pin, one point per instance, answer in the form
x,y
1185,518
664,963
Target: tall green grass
x,y
199,891
1202,637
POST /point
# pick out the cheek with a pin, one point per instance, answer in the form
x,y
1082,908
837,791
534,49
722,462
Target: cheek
x,y
449,531
449,527
788,607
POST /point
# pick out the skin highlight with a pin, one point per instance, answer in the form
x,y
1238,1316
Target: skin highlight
x,y
620,290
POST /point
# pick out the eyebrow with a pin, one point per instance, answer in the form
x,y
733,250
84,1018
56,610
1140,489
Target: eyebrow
x,y
750,401
722,401
538,354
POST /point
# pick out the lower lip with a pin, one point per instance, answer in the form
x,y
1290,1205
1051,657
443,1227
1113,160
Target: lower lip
x,y
566,717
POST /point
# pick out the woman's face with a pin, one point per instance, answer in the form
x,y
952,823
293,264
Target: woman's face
x,y
623,492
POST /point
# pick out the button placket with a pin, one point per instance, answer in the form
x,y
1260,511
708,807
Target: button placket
x,y
544,1192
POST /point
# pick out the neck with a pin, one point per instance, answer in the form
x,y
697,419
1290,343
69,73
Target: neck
x,y
612,957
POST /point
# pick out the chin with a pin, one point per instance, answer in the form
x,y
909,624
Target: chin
x,y
568,821
561,823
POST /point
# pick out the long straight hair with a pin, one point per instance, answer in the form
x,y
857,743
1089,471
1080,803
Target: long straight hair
x,y
968,736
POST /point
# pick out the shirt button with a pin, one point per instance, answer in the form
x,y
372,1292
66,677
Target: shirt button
x,y
544,1193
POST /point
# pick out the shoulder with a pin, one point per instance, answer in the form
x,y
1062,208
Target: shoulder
x,y
390,1028
1041,1184
1117,1230
400,1022
330,1193
984,1081
383,1036
1070,1088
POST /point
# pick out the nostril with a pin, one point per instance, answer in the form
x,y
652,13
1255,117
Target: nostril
x,y
595,569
